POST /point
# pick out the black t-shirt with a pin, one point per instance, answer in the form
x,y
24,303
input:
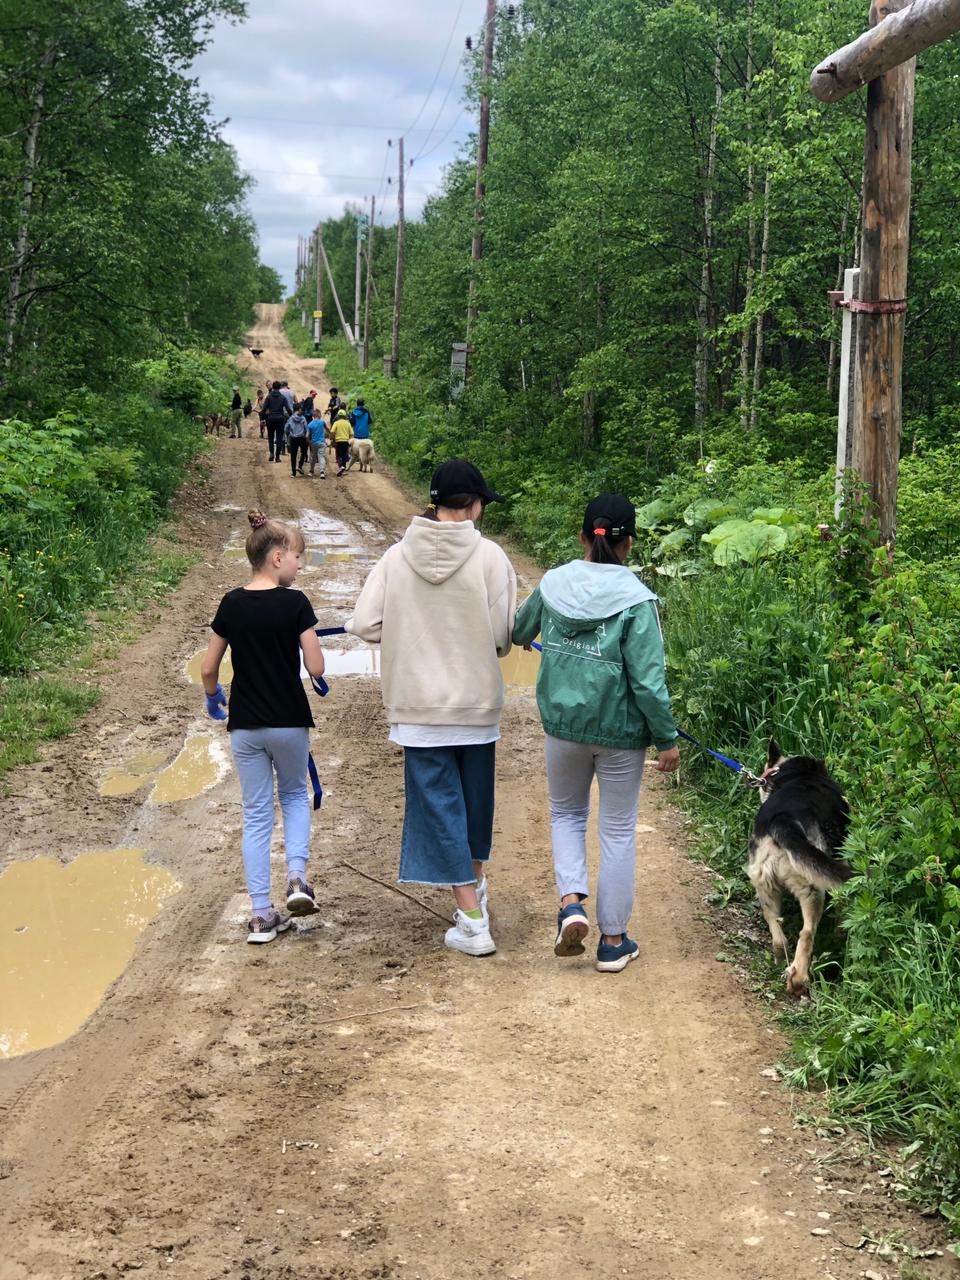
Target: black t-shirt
x,y
263,629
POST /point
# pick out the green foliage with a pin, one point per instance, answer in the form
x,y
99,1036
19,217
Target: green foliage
x,y
35,709
269,284
80,491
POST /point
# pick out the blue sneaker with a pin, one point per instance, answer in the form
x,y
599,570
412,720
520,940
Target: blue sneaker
x,y
611,959
572,928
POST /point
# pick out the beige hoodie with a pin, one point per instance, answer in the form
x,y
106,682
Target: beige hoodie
x,y
441,604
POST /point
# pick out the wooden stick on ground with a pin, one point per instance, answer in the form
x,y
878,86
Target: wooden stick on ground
x,y
395,889
372,1013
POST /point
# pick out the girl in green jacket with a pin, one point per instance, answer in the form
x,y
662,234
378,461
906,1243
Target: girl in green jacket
x,y
603,700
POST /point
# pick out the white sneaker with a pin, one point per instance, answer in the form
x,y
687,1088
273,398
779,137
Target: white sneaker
x,y
483,901
472,937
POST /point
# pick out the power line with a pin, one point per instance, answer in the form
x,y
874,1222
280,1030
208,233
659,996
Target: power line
x,y
453,81
436,77
322,124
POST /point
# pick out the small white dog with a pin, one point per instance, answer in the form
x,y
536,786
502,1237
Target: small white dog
x,y
361,451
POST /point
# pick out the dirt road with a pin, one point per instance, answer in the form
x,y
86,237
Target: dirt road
x,y
354,1101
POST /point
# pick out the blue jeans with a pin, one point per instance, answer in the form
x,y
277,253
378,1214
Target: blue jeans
x,y
448,815
257,753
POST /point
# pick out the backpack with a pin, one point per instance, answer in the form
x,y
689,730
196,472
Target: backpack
x,y
275,406
306,405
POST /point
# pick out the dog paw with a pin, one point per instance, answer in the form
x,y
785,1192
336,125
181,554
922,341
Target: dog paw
x,y
797,984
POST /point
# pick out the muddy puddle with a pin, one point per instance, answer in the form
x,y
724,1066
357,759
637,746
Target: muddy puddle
x,y
520,668
125,779
67,932
202,763
193,668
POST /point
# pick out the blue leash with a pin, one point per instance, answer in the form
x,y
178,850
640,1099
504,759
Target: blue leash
x,y
322,688
731,764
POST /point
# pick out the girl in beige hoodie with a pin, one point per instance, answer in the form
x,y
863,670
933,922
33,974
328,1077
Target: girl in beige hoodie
x,y
441,604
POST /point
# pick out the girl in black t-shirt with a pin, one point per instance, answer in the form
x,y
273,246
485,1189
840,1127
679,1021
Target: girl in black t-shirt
x,y
267,627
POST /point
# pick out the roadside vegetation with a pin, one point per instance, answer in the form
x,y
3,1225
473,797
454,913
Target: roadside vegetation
x,y
130,256
653,319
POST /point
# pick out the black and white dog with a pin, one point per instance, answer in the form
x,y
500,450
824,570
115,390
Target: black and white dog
x,y
796,837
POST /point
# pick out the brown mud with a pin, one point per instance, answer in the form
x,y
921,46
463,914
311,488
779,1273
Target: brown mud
x,y
354,1102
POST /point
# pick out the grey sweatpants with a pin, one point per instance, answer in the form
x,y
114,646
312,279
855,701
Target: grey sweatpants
x,y
570,771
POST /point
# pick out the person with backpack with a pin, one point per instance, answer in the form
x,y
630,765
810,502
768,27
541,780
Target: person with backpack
x,y
297,434
236,415
306,404
334,405
440,604
362,420
275,413
603,701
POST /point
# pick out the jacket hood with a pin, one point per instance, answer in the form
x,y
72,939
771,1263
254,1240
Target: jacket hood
x,y
436,549
581,595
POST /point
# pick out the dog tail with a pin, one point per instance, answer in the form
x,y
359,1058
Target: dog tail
x,y
825,870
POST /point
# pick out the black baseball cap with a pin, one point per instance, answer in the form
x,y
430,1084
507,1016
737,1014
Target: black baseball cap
x,y
612,513
460,476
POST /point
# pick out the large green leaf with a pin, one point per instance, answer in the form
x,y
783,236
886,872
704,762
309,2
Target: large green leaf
x,y
706,511
748,541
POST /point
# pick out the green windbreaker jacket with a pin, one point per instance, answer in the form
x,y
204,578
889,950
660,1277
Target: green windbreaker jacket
x,y
602,678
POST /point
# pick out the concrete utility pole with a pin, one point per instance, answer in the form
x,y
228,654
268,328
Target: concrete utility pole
x,y
365,349
398,281
476,252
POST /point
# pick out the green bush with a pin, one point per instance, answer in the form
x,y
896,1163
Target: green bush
x,y
79,493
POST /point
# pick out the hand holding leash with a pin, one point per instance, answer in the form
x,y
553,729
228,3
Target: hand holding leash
x,y
215,702
669,760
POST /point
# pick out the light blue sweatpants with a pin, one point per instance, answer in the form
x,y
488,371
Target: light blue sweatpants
x,y
257,753
570,771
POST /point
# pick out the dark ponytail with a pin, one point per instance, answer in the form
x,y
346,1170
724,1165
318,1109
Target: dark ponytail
x,y
603,546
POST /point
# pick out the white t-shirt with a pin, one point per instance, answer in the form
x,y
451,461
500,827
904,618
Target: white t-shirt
x,y
444,735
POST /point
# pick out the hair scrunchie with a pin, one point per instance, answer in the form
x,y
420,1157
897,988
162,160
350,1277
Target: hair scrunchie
x,y
258,522
599,533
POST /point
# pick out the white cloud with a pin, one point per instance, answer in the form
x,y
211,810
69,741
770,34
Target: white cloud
x,y
312,91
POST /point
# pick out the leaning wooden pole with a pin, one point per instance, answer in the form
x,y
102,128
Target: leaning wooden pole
x,y
876,420
903,32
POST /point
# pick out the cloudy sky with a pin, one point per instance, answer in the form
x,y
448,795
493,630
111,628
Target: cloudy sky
x,y
312,91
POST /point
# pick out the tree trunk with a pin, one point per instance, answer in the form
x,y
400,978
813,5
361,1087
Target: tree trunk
x,y
22,242
701,374
751,230
764,258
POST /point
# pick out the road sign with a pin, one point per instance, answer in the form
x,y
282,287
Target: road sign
x,y
318,315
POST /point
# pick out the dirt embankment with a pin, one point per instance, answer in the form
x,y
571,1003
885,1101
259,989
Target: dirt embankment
x,y
354,1101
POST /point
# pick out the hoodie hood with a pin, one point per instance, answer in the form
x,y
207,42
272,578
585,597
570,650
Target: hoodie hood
x,y
581,595
436,549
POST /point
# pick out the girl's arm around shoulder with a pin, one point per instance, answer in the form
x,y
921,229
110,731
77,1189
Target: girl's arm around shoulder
x,y
642,648
529,620
366,621
502,596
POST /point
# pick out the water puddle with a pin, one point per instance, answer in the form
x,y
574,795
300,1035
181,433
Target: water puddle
x,y
520,668
133,774
351,662
201,764
193,668
67,932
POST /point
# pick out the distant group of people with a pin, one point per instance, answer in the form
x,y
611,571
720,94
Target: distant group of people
x,y
442,606
298,427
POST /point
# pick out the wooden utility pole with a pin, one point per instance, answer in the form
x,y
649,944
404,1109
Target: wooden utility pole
x,y
905,31
398,281
356,282
318,284
333,287
365,349
476,252
886,57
